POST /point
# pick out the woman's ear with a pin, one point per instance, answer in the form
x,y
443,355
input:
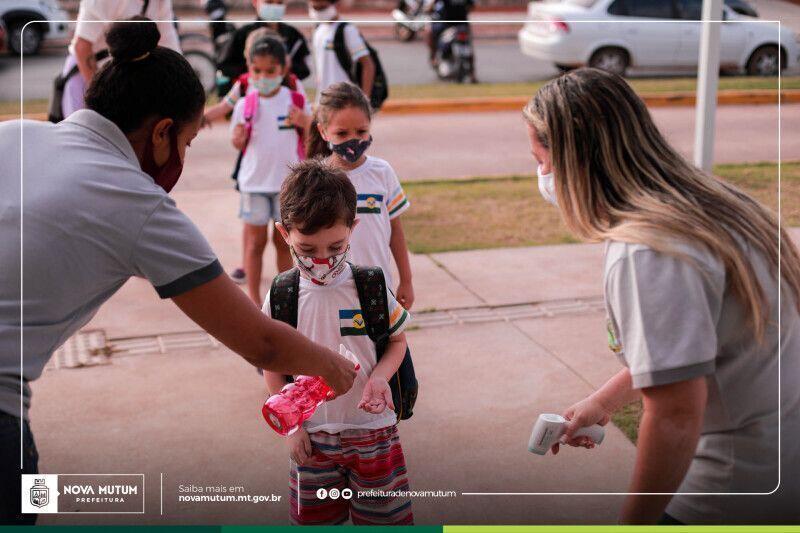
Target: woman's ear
x,y
161,131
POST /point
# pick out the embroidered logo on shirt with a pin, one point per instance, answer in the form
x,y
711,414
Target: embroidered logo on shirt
x,y
351,322
613,339
369,203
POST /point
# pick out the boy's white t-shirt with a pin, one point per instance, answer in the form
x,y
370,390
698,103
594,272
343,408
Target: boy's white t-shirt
x,y
326,65
331,315
380,199
273,143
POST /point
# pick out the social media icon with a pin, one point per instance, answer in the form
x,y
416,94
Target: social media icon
x,y
347,494
334,493
322,494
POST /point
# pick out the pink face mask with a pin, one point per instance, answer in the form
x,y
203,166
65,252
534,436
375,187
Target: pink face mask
x,y
166,175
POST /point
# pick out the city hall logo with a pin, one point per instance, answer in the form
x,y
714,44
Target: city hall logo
x,y
39,493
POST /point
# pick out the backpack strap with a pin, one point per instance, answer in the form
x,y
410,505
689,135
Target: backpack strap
x,y
250,110
298,100
244,83
283,297
145,5
371,287
340,49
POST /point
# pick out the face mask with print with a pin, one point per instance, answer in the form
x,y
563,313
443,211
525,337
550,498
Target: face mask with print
x,y
265,86
323,15
271,12
320,271
351,150
547,186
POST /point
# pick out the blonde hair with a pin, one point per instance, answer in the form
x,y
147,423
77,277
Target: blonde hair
x,y
618,179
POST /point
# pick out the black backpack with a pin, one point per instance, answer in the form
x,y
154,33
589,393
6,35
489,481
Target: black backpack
x,y
380,87
371,287
56,112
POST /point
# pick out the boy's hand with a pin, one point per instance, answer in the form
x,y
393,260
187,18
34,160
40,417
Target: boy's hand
x,y
377,396
299,445
405,294
297,117
239,139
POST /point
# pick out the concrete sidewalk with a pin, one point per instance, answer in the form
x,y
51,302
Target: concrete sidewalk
x,y
502,135
193,415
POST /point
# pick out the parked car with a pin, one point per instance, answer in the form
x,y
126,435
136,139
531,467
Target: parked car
x,y
15,14
667,38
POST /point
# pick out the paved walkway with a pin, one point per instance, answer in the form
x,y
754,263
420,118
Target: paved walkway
x,y
501,136
193,414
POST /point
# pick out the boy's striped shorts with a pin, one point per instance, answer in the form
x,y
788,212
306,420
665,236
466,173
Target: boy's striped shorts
x,y
344,465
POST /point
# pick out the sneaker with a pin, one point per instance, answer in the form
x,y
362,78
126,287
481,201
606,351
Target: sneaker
x,y
238,276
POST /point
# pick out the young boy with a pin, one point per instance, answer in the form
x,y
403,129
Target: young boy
x,y
326,63
351,443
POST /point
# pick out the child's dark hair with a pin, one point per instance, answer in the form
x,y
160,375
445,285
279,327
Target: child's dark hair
x,y
270,47
335,98
144,80
316,195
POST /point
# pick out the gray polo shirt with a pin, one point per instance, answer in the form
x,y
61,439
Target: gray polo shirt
x,y
91,219
674,318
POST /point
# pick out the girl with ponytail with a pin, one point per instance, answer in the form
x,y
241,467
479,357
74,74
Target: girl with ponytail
x,y
340,133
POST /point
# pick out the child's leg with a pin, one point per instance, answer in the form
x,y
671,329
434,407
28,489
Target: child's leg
x,y
281,251
284,258
375,462
323,471
254,252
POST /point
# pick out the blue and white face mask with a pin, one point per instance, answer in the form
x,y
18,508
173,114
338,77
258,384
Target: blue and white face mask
x,y
351,150
271,12
264,86
547,186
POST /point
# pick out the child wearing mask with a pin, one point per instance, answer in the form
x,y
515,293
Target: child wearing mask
x,y
266,126
326,63
351,443
340,132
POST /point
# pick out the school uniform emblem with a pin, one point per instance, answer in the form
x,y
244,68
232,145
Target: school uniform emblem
x,y
369,203
283,123
614,343
351,322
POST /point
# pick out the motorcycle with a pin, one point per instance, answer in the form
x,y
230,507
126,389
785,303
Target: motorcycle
x,y
410,19
455,58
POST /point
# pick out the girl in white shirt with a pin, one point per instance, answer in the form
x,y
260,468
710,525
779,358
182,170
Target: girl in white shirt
x,y
271,141
340,132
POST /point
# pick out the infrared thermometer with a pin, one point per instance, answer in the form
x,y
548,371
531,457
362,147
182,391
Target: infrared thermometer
x,y
549,428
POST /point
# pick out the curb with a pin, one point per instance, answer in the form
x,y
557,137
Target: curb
x,y
514,103
425,106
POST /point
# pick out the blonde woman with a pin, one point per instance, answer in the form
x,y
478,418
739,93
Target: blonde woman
x,y
693,301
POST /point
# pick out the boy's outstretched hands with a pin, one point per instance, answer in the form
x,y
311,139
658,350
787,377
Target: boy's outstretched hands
x,y
377,396
586,412
299,444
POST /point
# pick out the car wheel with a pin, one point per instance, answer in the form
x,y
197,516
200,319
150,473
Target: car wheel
x,y
764,62
31,38
205,68
614,60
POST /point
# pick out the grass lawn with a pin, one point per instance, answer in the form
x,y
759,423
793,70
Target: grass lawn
x,y
451,90
508,211
512,213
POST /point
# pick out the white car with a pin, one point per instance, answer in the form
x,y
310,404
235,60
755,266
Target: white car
x,y
16,13
650,34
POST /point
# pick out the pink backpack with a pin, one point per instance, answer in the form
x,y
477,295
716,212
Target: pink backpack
x,y
251,108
